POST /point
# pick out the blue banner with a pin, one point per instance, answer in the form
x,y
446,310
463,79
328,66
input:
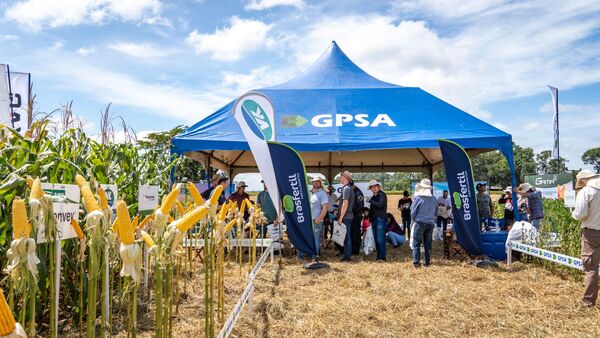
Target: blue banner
x,y
290,175
462,192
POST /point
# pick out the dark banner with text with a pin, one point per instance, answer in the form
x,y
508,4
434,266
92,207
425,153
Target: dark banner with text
x,y
462,192
291,183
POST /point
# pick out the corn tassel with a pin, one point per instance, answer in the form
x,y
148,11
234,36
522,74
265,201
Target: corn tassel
x,y
91,204
168,202
21,225
198,200
36,189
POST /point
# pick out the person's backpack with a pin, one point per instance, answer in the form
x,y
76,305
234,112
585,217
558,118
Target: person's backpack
x,y
359,202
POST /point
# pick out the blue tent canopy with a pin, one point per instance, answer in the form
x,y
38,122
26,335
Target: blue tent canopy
x,y
340,117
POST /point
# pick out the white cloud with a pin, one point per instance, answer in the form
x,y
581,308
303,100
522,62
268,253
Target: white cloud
x,y
260,5
85,51
8,37
257,78
38,14
231,43
140,50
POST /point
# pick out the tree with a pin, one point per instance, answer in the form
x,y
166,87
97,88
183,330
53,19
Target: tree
x,y
524,161
592,157
546,164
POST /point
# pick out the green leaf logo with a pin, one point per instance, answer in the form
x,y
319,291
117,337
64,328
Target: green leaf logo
x,y
288,203
457,200
292,121
257,119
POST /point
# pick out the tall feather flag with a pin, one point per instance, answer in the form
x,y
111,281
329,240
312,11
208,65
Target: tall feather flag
x,y
281,167
5,112
555,148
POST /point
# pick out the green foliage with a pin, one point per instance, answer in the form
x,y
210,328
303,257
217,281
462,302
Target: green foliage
x,y
547,165
592,157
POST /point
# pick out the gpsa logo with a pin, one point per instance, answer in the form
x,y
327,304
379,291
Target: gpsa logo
x,y
257,119
359,120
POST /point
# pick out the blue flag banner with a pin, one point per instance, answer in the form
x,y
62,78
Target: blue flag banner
x,y
462,192
290,175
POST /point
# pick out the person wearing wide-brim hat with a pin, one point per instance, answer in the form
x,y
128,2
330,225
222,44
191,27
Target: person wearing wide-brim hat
x,y
423,212
345,214
378,218
535,207
587,210
319,204
239,196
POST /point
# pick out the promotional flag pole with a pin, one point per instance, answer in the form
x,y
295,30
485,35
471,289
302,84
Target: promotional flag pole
x,y
555,124
10,97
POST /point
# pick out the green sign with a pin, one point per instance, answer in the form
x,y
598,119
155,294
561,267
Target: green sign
x,y
550,180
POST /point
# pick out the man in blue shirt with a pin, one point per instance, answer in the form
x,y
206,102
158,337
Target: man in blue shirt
x,y
423,213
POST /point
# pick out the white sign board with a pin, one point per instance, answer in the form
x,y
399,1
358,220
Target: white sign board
x,y
112,194
64,213
69,191
147,197
570,198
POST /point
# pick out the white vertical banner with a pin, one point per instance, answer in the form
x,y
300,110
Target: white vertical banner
x,y
5,114
19,87
555,148
255,114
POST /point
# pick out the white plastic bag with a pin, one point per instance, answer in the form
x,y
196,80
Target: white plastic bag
x,y
369,241
274,232
437,234
339,233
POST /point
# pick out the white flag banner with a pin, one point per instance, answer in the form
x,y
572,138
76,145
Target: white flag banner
x,y
19,87
255,114
555,149
5,115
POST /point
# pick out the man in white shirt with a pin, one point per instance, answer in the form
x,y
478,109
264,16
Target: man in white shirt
x,y
444,210
587,210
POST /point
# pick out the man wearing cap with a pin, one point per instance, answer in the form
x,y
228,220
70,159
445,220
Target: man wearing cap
x,y
484,204
345,214
378,218
587,210
534,204
319,203
423,212
239,196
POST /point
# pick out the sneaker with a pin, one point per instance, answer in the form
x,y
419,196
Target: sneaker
x,y
426,264
381,261
345,260
418,265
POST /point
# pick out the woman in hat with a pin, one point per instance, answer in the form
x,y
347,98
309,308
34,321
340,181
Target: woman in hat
x,y
423,212
534,204
378,216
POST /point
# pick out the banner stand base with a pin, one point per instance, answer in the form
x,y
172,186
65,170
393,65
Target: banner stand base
x,y
316,266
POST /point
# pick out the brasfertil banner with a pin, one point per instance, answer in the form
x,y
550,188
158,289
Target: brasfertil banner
x,y
462,190
290,175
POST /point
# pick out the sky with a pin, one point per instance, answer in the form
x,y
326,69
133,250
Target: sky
x,y
166,63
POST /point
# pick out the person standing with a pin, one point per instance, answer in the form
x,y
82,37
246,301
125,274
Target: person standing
x,y
587,210
423,212
378,217
484,204
534,204
357,208
332,206
265,203
319,203
404,206
345,214
509,210
239,196
207,194
444,207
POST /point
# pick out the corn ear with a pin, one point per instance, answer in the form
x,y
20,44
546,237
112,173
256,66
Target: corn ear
x,y
216,194
248,203
7,320
223,211
231,224
168,202
36,189
134,223
77,228
189,219
91,204
243,207
123,223
147,239
21,225
103,198
180,207
144,221
198,200
29,181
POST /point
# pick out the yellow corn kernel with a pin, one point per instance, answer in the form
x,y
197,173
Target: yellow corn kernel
x,y
134,223
180,207
223,211
103,199
198,200
77,228
123,223
216,194
168,202
36,189
170,219
21,226
248,203
7,320
144,221
147,239
29,181
230,224
189,219
243,208
91,204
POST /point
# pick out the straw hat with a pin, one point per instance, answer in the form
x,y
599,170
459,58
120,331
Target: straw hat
x,y
423,188
316,178
525,187
585,174
374,182
347,174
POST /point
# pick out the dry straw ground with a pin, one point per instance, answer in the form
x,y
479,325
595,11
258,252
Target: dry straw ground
x,y
393,299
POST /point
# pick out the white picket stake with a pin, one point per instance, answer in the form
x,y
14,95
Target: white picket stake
x,y
145,266
551,256
57,282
